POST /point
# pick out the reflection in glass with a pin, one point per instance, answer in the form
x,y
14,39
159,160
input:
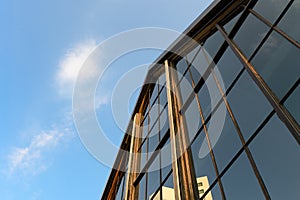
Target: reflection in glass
x,y
153,177
270,9
229,66
292,104
228,142
290,22
277,62
248,104
250,35
202,163
213,43
276,153
240,182
142,188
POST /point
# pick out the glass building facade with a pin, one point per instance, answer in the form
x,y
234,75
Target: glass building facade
x,y
220,120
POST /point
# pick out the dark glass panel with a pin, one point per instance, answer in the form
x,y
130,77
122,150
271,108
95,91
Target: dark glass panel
x,y
277,62
142,188
276,153
250,35
229,66
228,27
153,138
163,97
292,104
209,95
249,105
185,87
154,94
144,151
166,159
181,67
239,181
201,157
153,115
163,122
193,120
224,138
153,178
205,100
290,22
213,43
199,64
270,9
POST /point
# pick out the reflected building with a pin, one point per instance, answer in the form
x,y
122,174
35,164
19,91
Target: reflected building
x,y
223,106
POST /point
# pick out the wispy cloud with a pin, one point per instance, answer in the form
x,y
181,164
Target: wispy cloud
x,y
31,160
70,65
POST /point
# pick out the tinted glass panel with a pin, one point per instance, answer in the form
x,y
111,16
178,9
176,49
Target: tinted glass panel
x,y
202,160
278,63
142,188
289,23
213,43
225,138
292,104
270,9
240,182
250,35
153,177
276,153
229,66
248,104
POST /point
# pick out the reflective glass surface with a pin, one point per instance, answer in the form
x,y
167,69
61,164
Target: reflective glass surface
x,y
250,35
277,62
276,153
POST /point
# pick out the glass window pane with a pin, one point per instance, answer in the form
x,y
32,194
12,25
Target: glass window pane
x,y
181,67
277,62
168,189
144,152
227,142
153,178
290,22
153,138
193,120
213,43
163,122
292,104
199,64
209,95
248,104
231,23
250,35
276,153
185,87
239,181
270,9
229,66
202,159
142,188
166,159
205,101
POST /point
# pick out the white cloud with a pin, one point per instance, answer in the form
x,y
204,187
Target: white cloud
x,y
70,65
30,159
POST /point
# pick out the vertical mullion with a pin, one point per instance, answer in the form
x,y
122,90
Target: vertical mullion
x,y
208,140
182,164
131,192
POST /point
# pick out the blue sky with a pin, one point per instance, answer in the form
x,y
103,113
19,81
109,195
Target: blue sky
x,y
42,46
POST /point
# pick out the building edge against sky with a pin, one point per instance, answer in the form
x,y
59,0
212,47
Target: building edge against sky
x,y
249,56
